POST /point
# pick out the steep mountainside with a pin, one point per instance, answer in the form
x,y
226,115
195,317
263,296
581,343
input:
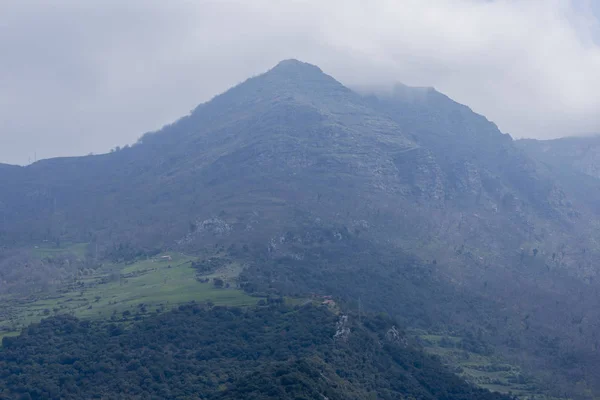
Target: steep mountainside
x,y
279,142
581,154
575,162
404,199
296,141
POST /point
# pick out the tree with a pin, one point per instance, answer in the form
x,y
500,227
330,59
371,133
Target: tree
x,y
218,282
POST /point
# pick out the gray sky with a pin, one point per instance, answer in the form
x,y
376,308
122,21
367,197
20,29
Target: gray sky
x,y
84,76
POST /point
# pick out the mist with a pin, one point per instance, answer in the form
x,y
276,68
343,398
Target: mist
x,y
85,77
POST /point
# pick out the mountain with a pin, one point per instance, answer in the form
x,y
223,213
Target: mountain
x,y
404,199
574,161
580,154
285,122
293,139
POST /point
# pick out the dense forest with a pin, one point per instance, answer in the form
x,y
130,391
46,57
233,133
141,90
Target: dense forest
x,y
197,351
391,281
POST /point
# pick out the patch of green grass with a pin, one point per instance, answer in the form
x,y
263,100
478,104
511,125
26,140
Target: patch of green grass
x,y
138,289
50,250
486,371
7,334
436,339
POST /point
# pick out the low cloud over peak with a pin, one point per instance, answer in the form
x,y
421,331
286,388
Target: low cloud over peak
x,y
79,76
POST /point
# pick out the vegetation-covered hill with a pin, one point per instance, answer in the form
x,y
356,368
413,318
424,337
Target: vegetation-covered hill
x,y
404,199
225,353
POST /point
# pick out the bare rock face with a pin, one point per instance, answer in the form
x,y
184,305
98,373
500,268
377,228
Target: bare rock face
x,y
215,226
342,329
393,335
212,227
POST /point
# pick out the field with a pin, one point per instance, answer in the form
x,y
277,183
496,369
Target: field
x,y
487,371
46,250
126,291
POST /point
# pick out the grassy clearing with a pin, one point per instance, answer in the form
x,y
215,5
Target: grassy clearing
x,y
49,250
125,292
486,371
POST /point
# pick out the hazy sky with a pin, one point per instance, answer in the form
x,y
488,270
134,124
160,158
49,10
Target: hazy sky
x,y
84,76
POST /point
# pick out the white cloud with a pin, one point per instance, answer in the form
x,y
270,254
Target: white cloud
x,y
85,76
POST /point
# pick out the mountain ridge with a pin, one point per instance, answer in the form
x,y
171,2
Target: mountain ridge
x,y
320,183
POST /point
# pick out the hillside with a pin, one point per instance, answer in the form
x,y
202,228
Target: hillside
x,y
574,162
581,154
205,352
403,201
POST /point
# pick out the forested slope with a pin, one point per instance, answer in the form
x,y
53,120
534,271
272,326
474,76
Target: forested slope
x,y
225,353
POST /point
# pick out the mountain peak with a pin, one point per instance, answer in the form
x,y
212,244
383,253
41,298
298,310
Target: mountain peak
x,y
294,70
296,66
301,77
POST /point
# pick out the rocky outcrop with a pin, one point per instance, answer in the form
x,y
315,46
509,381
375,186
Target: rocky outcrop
x,y
342,329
